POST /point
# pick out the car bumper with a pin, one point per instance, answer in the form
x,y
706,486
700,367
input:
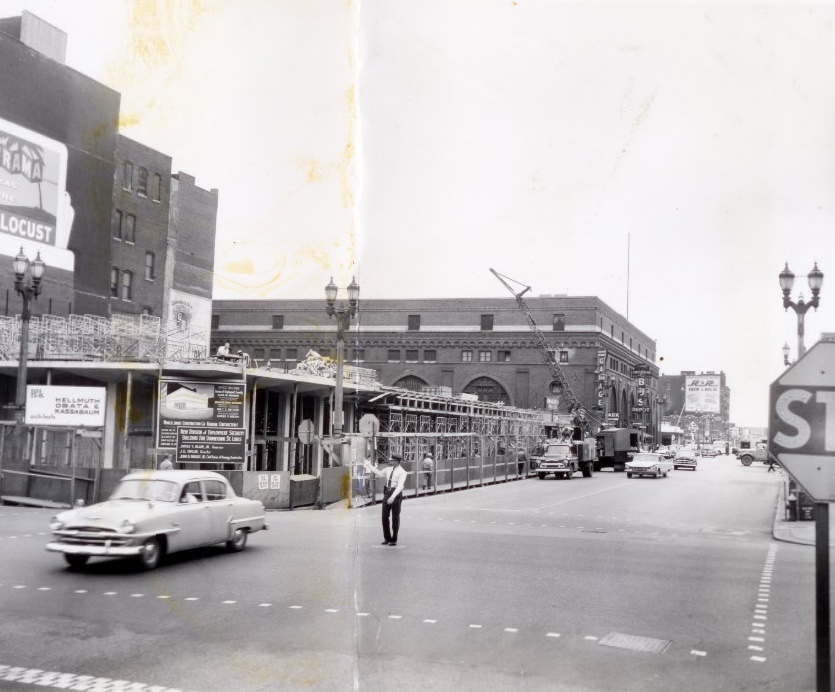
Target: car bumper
x,y
685,464
93,550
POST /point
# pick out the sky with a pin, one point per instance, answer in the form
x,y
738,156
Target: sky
x,y
667,157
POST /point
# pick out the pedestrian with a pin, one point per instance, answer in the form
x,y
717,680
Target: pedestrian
x,y
426,466
166,464
223,351
770,463
395,477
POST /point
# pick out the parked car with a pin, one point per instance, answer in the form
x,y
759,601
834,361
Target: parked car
x,y
685,459
648,464
666,452
153,513
710,452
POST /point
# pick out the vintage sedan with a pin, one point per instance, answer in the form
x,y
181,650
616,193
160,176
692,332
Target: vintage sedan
x,y
154,513
685,459
648,464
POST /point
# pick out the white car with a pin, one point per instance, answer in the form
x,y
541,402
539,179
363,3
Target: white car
x,y
153,513
648,464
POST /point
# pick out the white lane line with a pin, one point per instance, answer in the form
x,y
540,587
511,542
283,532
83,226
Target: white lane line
x,y
229,602
331,610
296,607
511,629
758,659
192,598
19,586
264,605
110,593
553,634
163,597
395,617
44,588
590,638
475,627
694,652
756,639
81,591
754,647
137,595
430,622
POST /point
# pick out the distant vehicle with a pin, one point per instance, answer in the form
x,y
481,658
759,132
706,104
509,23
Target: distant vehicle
x,y
685,459
153,513
759,452
666,452
615,446
648,464
710,452
565,458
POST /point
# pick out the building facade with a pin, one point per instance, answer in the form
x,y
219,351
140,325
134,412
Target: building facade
x,y
709,422
481,346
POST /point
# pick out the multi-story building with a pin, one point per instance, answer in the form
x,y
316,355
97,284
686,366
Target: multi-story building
x,y
480,346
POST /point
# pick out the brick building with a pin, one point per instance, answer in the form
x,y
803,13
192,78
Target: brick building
x,y
713,423
480,346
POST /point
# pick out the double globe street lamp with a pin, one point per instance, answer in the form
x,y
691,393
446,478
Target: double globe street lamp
x,y
27,283
343,320
815,278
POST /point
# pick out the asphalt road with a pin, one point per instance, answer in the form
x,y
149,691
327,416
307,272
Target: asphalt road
x,y
605,583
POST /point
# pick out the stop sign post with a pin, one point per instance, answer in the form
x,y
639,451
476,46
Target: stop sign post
x,y
801,436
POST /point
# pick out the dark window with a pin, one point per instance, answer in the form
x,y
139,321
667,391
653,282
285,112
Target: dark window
x,y
127,285
466,356
359,355
116,224
127,176
149,266
146,310
563,356
503,356
394,355
156,190
486,323
411,355
142,182
559,323
278,321
485,356
613,331
291,354
129,235
430,355
487,390
258,354
410,382
621,337
114,282
215,321
414,323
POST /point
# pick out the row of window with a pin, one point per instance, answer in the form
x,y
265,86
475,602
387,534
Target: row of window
x,y
121,280
395,355
142,180
123,226
414,322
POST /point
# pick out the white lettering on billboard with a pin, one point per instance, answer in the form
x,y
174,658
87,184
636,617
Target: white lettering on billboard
x,y
65,406
702,394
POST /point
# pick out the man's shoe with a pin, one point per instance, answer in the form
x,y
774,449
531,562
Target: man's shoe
x,y
385,543
392,542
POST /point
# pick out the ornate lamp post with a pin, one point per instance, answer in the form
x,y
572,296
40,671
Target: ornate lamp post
x,y
815,278
786,351
343,320
27,282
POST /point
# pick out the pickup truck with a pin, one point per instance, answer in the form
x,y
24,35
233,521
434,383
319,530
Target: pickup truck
x,y
758,452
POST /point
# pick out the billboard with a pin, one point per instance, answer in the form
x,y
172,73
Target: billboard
x,y
35,209
702,393
189,325
203,421
65,406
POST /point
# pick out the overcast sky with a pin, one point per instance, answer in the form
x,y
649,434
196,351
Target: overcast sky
x,y
667,157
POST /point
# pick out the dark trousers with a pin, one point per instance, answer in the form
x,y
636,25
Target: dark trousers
x,y
391,513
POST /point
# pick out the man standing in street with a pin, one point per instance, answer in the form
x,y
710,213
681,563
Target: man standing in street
x,y
395,477
427,471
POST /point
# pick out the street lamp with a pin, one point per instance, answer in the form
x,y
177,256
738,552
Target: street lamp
x,y
343,320
27,282
786,351
815,278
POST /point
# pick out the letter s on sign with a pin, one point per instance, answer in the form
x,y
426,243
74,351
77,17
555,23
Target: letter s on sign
x,y
800,424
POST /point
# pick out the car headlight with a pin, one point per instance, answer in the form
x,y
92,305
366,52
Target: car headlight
x,y
127,526
56,524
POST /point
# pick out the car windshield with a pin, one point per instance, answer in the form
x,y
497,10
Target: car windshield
x,y
145,489
645,457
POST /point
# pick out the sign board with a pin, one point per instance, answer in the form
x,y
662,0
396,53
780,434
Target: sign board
x,y
190,404
211,445
369,425
65,406
801,434
306,432
702,393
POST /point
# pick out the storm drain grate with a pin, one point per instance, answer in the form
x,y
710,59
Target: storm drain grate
x,y
635,643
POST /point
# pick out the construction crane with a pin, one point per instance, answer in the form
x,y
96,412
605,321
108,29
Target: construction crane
x,y
545,349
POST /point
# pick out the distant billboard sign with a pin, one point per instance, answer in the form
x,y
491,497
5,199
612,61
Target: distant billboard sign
x,y
35,209
65,406
702,394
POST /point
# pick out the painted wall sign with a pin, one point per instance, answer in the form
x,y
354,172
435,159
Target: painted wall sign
x,y
701,393
65,406
35,208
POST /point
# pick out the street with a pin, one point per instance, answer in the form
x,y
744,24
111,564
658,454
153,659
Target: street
x,y
605,583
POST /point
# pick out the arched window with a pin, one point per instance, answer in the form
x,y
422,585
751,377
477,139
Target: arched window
x,y
487,389
411,382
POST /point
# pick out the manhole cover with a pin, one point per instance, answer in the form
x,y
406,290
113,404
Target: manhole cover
x,y
635,643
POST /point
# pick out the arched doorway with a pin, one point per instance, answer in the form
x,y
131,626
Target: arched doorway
x,y
411,382
487,389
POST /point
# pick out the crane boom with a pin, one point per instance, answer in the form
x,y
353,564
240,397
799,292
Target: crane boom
x,y
544,348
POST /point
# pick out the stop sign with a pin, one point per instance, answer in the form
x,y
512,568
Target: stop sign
x,y
801,433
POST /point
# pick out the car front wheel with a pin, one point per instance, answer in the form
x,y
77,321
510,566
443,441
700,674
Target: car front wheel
x,y
238,541
150,554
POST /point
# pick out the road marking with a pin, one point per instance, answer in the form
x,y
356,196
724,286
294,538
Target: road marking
x,y
758,659
698,653
137,595
110,593
430,622
229,602
756,639
19,586
163,597
363,615
192,598
264,605
296,607
752,647
590,638
41,678
475,627
44,588
553,634
331,610
511,629
395,617
81,591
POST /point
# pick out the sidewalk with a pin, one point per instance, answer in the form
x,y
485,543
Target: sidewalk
x,y
801,532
